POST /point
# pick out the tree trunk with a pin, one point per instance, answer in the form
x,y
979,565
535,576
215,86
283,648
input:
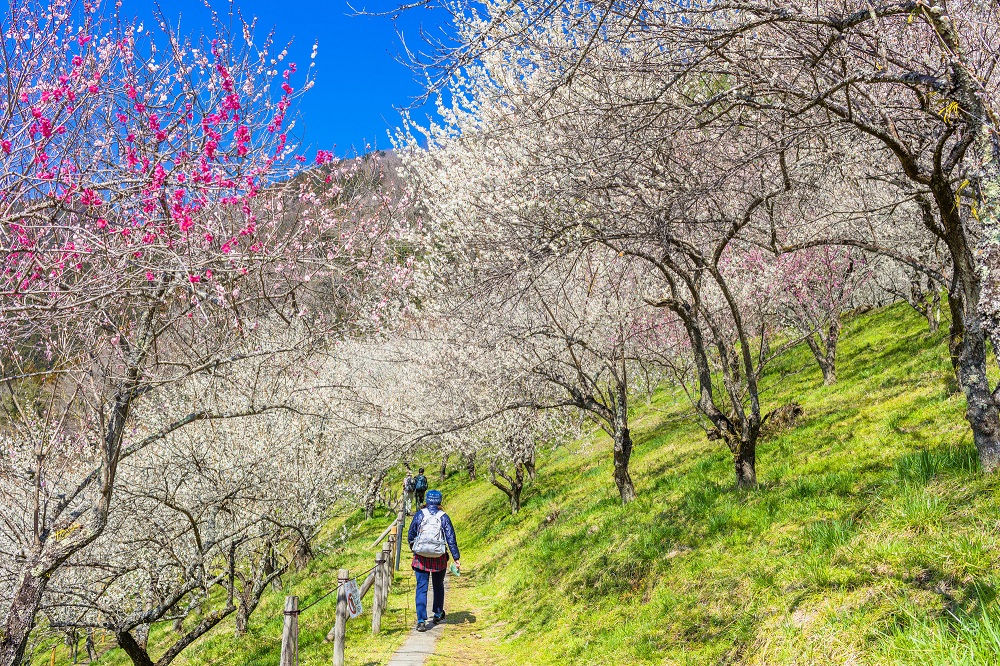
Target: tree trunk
x,y
824,350
303,553
21,615
270,566
72,641
89,646
529,462
829,374
968,343
470,466
249,596
196,632
371,494
934,309
249,599
832,338
444,468
514,485
140,655
515,500
135,652
623,452
956,331
926,300
242,618
981,403
723,426
765,345
819,354
745,462
623,446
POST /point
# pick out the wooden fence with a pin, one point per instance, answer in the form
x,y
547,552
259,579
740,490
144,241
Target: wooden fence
x,y
379,581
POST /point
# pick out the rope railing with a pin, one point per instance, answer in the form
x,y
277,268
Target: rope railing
x,y
378,579
338,586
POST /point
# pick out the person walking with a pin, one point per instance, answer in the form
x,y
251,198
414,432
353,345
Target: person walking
x,y
431,536
409,486
420,486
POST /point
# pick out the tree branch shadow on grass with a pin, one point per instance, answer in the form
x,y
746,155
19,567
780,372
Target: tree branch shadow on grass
x,y
460,617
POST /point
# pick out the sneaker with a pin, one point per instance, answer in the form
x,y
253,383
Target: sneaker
x,y
421,626
439,618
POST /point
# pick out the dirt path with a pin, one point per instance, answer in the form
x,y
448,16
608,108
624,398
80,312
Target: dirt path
x,y
420,645
417,648
460,640
467,639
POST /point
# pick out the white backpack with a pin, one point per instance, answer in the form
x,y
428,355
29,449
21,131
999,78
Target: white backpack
x,y
430,540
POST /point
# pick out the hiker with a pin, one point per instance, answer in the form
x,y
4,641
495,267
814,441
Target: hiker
x,y
431,535
421,486
409,485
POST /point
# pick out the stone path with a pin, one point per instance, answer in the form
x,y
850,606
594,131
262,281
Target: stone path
x,y
420,644
417,648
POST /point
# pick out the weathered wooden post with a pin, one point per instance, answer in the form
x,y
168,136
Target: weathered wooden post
x,y
392,549
290,632
401,518
340,628
387,581
377,592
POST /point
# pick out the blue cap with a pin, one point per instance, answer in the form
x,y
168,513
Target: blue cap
x,y
433,497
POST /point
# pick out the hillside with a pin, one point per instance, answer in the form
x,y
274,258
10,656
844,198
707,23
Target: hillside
x,y
873,538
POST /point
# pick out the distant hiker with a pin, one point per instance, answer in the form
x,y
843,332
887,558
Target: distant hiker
x,y
409,485
431,536
421,486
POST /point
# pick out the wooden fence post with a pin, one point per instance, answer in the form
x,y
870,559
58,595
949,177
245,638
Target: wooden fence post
x,y
377,592
387,581
401,518
340,628
392,549
290,632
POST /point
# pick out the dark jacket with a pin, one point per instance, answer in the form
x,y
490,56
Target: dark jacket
x,y
432,563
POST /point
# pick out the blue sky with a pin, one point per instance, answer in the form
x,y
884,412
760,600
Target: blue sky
x,y
359,83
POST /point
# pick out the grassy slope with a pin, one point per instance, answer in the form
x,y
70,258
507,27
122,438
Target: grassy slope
x,y
871,525
344,543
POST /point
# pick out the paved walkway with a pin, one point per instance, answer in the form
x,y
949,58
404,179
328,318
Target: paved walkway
x,y
420,644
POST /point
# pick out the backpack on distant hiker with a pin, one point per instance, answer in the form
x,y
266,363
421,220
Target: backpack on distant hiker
x,y
430,541
421,483
409,485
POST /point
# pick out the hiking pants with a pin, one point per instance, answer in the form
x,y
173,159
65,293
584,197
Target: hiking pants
x,y
423,578
420,496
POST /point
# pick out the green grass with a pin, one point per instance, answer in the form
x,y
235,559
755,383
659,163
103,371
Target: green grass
x,y
872,539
